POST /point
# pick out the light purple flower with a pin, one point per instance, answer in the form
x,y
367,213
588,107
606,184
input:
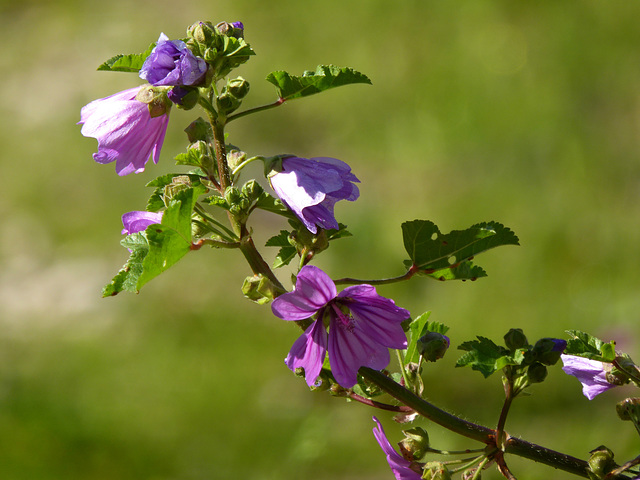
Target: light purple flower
x,y
138,221
171,63
362,326
125,130
311,187
400,466
591,373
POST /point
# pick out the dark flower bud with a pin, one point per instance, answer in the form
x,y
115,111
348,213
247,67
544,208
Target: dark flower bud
x,y
238,31
199,130
415,444
629,409
601,461
515,339
432,346
184,97
548,350
536,372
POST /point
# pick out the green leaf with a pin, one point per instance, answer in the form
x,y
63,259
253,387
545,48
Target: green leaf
x,y
126,63
419,327
287,251
342,232
324,78
584,345
280,240
127,277
484,356
171,240
434,252
272,204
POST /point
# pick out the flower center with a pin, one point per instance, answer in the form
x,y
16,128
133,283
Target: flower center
x,y
343,315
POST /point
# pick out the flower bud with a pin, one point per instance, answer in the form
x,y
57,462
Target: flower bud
x,y
436,471
432,346
415,445
601,461
235,158
548,350
536,372
238,87
202,32
227,103
515,339
629,409
156,98
252,190
178,184
258,289
184,97
199,130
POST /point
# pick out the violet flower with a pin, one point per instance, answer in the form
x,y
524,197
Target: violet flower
x,y
311,187
400,466
362,326
138,221
591,373
171,63
125,130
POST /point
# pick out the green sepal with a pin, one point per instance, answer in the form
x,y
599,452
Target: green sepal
x,y
433,253
127,278
126,63
156,200
171,240
324,78
485,356
584,345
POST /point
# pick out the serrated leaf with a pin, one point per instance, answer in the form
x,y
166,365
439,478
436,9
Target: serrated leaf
x,y
280,240
171,240
585,345
127,277
324,78
342,232
431,251
284,256
126,63
482,355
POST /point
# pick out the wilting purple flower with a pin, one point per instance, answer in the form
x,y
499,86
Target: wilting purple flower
x,y
172,63
362,326
138,221
125,130
591,373
400,466
311,187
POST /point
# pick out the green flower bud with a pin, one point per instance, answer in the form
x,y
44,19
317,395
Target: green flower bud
x,y
156,98
415,445
436,471
238,87
199,129
432,346
202,32
515,339
178,184
536,372
548,350
252,190
259,289
227,103
235,158
601,461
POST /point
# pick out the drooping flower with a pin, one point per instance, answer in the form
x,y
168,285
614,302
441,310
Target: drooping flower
x,y
125,130
311,187
591,374
171,63
400,466
362,326
137,221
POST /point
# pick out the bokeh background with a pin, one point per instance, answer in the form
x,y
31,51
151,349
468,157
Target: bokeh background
x,y
527,113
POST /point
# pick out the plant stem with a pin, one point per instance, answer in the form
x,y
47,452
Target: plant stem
x,y
474,431
403,369
277,103
380,405
354,281
500,435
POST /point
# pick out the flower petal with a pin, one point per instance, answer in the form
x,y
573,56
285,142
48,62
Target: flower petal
x,y
309,351
590,373
138,221
314,289
400,466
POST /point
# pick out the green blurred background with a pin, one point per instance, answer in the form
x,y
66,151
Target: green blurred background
x,y
527,113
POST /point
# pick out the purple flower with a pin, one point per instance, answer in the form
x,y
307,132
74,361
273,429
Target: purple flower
x,y
311,187
138,221
172,63
400,466
125,130
591,373
238,25
362,326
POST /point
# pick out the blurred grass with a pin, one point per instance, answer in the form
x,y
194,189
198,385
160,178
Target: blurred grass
x,y
524,113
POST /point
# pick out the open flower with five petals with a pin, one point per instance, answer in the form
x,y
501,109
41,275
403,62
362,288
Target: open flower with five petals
x,y
362,326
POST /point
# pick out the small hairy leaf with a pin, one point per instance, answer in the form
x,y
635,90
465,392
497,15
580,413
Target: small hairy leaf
x,y
324,78
484,356
584,345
